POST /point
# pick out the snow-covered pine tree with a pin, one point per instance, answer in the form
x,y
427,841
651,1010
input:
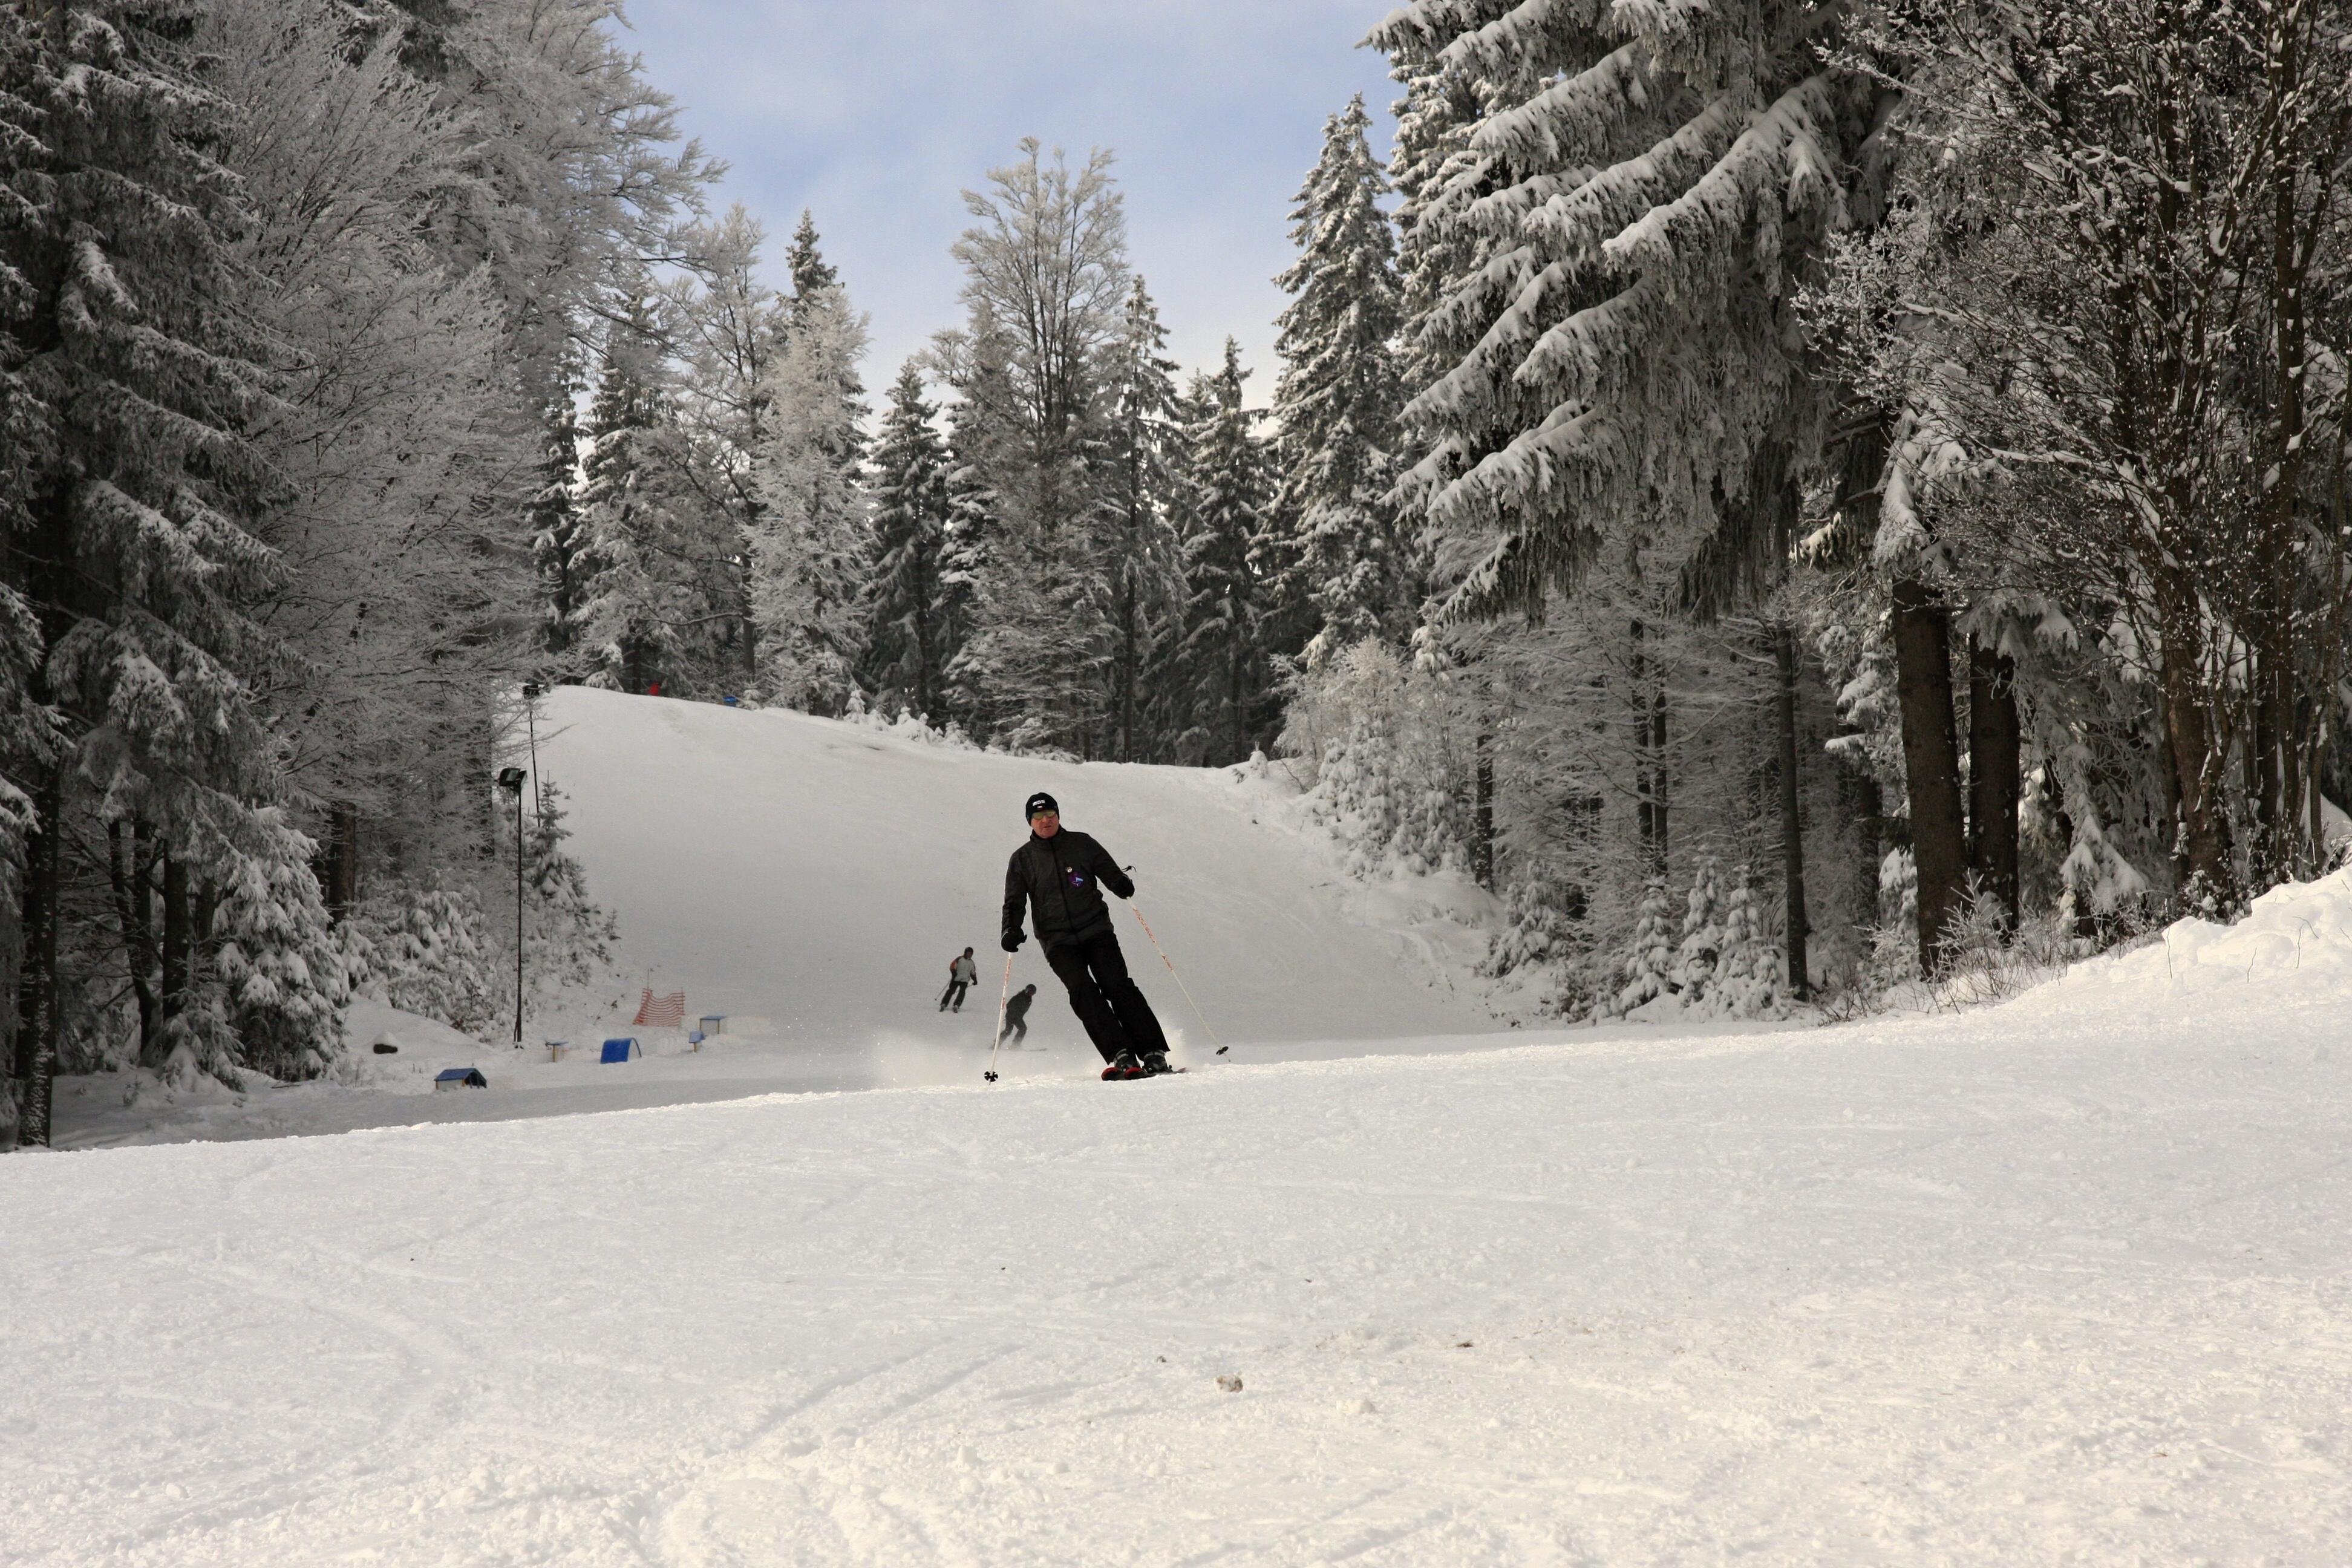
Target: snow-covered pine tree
x,y
430,947
1748,981
1143,558
811,274
1228,493
639,515
964,553
277,961
1643,199
811,549
1646,971
567,938
1699,955
905,663
559,536
141,376
1344,568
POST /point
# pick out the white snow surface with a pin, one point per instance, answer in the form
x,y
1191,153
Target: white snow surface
x,y
2062,1281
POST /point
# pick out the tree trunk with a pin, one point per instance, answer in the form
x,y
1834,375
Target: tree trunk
x,y
1995,786
1792,822
1650,750
40,991
179,943
2202,853
129,865
339,861
1482,849
1931,764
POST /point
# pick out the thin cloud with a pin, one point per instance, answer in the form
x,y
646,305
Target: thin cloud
x,y
877,114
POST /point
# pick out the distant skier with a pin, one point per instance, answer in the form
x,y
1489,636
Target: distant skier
x,y
1059,875
1016,1013
962,972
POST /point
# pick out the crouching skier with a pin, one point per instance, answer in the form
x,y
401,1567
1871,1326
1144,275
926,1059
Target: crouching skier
x,y
1060,875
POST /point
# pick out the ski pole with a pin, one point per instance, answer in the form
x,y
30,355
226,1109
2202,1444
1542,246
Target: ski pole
x,y
1003,1001
1170,962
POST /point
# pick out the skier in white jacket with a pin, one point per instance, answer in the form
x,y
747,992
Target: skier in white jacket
x,y
962,972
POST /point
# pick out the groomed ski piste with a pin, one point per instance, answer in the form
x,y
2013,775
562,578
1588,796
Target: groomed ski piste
x,y
2060,1281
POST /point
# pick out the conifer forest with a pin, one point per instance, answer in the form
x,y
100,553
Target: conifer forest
x,y
1799,501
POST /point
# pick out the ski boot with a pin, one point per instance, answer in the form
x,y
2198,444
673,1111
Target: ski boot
x,y
1123,1067
1155,1063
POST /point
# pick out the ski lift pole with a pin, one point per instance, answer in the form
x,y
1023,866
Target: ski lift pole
x,y
1003,999
1170,962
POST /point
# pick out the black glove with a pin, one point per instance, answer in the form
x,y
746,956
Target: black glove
x,y
1013,941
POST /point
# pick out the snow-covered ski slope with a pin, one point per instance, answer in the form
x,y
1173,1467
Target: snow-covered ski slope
x,y
809,881
818,876
2061,1282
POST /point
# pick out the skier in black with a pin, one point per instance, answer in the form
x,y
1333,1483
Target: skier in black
x,y
1060,876
1016,1012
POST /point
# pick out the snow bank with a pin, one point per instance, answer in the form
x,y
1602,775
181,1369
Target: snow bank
x,y
2294,949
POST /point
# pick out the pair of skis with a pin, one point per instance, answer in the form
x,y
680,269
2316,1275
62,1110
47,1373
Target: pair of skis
x,y
1005,997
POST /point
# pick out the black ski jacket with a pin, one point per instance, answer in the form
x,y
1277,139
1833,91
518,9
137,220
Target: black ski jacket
x,y
1062,879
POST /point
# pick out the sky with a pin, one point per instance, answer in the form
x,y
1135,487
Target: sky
x,y
875,114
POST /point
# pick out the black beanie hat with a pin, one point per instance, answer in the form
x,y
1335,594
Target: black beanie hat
x,y
1039,802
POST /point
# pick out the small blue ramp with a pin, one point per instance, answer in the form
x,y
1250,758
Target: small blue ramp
x,y
460,1078
622,1050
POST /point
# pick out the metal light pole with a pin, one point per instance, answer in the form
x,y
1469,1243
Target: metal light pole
x,y
510,780
531,691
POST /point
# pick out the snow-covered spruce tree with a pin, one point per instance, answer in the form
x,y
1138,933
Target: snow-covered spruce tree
x,y
1749,982
1143,555
278,967
965,548
1646,973
1609,209
142,368
811,549
633,505
1227,496
1336,405
559,537
567,938
904,663
1699,955
1045,292
429,947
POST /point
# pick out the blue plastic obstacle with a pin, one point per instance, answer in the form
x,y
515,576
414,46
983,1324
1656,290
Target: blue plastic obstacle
x,y
460,1078
622,1050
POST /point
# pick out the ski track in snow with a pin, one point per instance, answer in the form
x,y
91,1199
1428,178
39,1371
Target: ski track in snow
x,y
2013,1288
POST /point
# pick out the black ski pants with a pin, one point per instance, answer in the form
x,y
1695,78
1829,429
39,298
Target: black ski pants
x,y
1102,994
953,996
